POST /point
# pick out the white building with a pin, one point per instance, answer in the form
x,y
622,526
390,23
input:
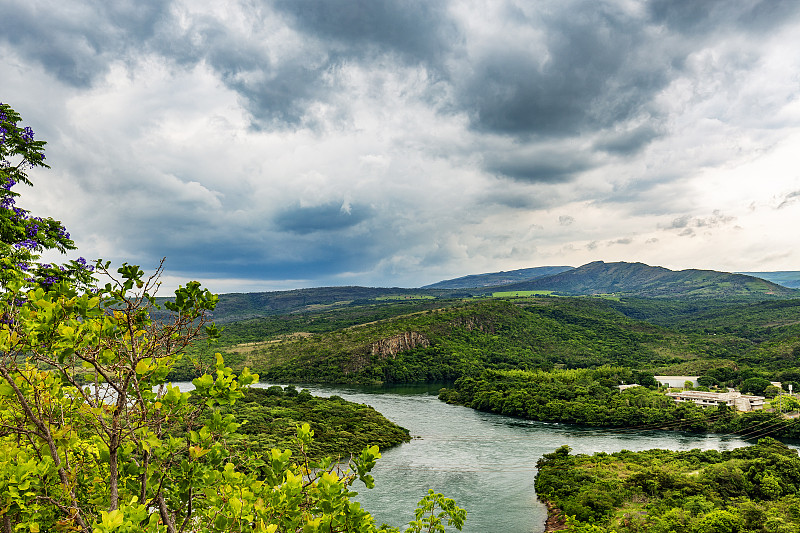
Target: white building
x,y
735,399
677,381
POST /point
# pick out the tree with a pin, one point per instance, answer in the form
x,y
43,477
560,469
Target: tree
x,y
94,439
755,385
22,235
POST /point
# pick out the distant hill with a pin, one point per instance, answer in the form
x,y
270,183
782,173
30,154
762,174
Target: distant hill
x,y
498,278
787,278
638,279
622,279
243,306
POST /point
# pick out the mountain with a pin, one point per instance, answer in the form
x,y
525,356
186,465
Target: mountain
x,y
638,279
787,278
498,278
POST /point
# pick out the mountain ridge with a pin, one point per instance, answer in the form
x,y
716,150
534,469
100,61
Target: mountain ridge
x,y
595,278
493,279
640,279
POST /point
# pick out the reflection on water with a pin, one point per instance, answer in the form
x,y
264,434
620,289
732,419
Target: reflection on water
x,y
485,462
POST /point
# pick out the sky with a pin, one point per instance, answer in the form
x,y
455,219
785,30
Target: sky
x,y
277,144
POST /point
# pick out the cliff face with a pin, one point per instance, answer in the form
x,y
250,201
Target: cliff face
x,y
384,348
399,343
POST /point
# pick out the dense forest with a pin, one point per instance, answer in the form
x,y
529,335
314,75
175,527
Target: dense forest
x,y
746,490
269,418
592,397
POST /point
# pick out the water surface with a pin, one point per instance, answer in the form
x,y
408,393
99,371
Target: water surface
x,y
485,462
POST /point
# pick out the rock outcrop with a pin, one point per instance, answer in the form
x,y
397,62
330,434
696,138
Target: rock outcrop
x,y
398,343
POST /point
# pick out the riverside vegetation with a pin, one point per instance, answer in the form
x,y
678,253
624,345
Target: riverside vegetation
x,y
94,439
746,490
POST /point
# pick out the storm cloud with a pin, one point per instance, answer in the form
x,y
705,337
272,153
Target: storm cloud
x,y
398,143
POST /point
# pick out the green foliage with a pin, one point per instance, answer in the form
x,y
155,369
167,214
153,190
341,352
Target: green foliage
x,y
269,418
752,489
427,519
592,397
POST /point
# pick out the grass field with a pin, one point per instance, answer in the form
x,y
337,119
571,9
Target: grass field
x,y
516,294
406,297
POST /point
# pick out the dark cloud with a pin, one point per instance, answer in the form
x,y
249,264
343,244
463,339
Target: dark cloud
x,y
540,166
512,200
628,142
598,67
417,30
327,217
701,19
78,41
303,250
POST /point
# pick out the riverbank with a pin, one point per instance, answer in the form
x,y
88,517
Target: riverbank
x,y
556,521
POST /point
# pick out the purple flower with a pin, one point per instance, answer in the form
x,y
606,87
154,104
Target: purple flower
x,y
27,243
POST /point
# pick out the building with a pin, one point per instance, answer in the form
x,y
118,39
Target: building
x,y
735,399
677,381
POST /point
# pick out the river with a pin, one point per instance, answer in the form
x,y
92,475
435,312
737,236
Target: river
x,y
485,462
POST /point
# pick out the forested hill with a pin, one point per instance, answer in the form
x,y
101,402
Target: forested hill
x,y
443,344
638,279
498,278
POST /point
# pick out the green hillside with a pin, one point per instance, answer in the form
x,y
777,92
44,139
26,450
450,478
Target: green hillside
x,y
445,343
498,278
638,279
